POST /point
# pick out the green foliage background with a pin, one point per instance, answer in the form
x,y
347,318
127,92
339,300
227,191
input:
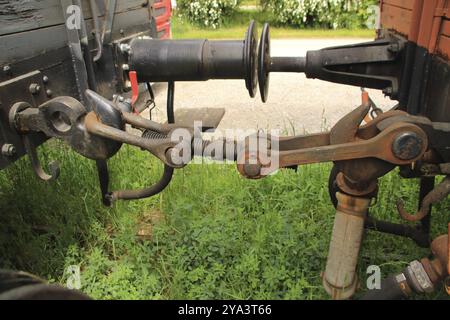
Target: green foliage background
x,y
333,14
207,13
216,235
321,14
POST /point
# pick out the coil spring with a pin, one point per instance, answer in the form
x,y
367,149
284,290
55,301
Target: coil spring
x,y
153,135
200,145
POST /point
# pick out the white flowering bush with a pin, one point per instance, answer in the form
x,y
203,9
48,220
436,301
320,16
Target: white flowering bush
x,y
320,13
206,13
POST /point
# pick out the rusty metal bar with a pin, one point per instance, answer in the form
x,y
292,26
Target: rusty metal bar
x,y
372,148
157,147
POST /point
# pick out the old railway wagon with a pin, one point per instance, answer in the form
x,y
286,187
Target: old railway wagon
x,y
64,47
54,48
426,27
66,66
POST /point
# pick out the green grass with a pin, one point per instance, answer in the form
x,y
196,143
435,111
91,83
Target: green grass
x,y
236,27
220,236
250,3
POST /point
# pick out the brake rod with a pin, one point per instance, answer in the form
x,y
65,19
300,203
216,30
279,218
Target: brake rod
x,y
371,148
365,132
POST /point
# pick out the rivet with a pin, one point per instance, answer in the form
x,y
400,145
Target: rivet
x,y
35,88
8,150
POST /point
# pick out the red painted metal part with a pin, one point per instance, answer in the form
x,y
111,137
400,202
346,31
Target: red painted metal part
x,y
163,25
134,89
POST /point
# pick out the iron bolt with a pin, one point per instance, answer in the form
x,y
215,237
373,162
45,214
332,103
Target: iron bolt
x,y
394,48
35,88
7,69
45,79
125,67
252,170
388,91
49,93
407,146
125,47
8,150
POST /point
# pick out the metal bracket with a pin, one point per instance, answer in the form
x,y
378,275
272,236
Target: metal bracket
x,y
32,153
77,54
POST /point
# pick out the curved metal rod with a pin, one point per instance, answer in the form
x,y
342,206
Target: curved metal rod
x,y
168,171
32,153
170,102
147,192
157,148
103,177
98,36
435,196
419,237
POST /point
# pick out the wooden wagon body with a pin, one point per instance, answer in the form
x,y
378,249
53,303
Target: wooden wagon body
x,y
425,24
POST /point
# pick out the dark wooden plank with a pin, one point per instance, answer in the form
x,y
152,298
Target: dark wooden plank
x,y
25,15
16,47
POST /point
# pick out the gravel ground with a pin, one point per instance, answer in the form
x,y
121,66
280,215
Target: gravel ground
x,y
295,104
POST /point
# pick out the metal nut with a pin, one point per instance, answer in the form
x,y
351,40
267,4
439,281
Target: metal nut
x,y
35,88
8,150
420,278
7,69
407,146
388,91
394,48
252,170
125,47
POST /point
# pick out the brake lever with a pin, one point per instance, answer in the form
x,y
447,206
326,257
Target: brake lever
x,y
369,142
